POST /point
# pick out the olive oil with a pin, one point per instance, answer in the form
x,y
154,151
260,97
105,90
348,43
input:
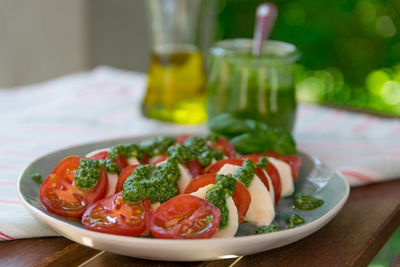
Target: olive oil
x,y
175,89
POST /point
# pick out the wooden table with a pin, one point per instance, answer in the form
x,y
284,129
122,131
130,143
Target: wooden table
x,y
353,238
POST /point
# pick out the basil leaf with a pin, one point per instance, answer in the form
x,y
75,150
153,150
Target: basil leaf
x,y
277,140
251,136
227,125
252,142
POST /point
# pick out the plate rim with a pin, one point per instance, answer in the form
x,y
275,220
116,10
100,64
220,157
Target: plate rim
x,y
308,227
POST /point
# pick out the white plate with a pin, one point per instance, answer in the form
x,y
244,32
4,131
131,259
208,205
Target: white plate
x,y
315,178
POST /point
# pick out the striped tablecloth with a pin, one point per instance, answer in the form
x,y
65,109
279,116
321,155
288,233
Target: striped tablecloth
x,y
105,103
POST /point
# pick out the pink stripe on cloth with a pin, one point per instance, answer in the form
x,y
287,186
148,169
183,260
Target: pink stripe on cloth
x,y
359,176
327,121
15,202
6,183
6,236
363,126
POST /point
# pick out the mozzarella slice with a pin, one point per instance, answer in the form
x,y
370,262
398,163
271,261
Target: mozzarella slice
x,y
112,183
96,151
233,224
185,178
133,161
261,210
285,172
271,187
154,159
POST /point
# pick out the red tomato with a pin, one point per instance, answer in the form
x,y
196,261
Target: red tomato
x,y
99,155
214,168
272,173
194,167
293,160
123,176
145,159
59,194
241,196
121,161
112,215
184,217
225,146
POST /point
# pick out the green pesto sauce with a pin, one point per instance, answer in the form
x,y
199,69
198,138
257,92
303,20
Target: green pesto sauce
x,y
158,183
245,174
157,145
294,221
181,153
202,151
306,202
225,186
38,178
127,151
262,162
109,166
265,229
87,174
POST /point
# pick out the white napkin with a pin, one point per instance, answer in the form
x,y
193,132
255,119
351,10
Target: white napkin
x,y
365,148
105,103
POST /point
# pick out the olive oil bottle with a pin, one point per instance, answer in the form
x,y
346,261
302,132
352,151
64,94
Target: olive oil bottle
x,y
176,79
176,85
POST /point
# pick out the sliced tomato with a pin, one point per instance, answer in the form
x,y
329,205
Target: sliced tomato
x,y
293,161
241,196
113,215
225,146
214,168
184,217
99,155
59,194
121,162
145,159
273,173
123,176
194,167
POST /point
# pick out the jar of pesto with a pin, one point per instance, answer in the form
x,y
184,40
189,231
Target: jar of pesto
x,y
253,87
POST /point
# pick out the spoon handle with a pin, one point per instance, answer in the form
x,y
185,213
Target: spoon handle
x,y
265,19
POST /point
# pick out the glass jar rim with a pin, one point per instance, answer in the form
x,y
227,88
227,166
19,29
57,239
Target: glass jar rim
x,y
241,48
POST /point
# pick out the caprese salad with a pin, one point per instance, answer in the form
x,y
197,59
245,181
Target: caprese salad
x,y
189,187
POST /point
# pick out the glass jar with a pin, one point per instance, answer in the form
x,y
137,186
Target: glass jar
x,y
253,87
176,79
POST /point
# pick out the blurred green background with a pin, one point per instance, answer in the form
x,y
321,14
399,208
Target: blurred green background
x,y
350,49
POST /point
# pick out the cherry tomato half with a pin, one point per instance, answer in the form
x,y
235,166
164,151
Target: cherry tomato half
x,y
123,176
112,215
99,155
241,196
59,194
214,168
184,217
